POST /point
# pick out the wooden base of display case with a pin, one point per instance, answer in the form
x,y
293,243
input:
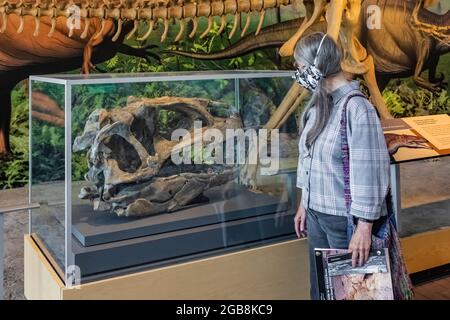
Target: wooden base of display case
x,y
427,250
276,271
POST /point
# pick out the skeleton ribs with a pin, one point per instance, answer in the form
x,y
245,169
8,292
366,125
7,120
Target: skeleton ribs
x,y
149,11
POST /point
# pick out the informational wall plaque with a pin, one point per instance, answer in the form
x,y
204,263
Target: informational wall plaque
x,y
416,138
435,128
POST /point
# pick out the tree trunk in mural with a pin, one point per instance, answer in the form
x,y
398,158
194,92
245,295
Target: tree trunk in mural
x,y
5,118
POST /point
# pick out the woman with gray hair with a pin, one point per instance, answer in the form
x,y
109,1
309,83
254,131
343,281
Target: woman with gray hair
x,y
325,205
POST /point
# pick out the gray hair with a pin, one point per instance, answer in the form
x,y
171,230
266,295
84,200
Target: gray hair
x,y
328,62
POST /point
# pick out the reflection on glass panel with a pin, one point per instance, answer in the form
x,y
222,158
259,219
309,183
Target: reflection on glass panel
x,y
424,196
260,97
47,167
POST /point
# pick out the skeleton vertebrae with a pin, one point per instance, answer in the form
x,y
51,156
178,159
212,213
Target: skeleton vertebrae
x,y
150,11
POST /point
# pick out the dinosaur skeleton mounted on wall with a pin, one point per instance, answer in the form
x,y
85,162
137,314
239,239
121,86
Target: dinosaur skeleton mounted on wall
x,y
394,47
102,19
107,22
36,38
149,11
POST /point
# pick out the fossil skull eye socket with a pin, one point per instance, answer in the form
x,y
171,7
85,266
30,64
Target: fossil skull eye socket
x,y
169,120
126,155
144,132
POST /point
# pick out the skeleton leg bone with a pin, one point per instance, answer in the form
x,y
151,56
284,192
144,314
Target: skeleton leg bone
x,y
354,52
375,94
248,174
292,100
288,48
334,16
87,54
422,57
5,100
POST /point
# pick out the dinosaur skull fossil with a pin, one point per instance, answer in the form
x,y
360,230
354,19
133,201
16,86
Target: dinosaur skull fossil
x,y
129,157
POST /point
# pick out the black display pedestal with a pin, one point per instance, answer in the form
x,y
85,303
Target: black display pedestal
x,y
233,216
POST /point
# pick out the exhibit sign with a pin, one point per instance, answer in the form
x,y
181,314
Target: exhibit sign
x,y
415,138
435,128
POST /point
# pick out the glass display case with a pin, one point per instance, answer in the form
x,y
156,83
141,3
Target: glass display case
x,y
420,190
135,171
423,196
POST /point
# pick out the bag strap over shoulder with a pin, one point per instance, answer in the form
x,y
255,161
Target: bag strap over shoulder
x,y
346,161
345,150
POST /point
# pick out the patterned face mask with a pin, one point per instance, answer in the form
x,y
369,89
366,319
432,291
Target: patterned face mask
x,y
310,76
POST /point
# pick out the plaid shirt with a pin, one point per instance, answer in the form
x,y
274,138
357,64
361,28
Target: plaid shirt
x,y
320,172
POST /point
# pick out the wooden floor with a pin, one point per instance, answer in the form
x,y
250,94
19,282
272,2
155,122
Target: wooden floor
x,y
433,290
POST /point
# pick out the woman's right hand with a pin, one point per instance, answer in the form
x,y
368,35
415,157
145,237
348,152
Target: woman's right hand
x,y
300,221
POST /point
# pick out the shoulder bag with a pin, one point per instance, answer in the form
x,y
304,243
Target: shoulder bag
x,y
384,232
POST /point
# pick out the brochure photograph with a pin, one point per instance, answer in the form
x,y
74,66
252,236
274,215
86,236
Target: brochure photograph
x,y
338,280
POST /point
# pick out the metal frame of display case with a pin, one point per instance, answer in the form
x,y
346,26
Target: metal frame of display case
x,y
396,193
395,181
76,79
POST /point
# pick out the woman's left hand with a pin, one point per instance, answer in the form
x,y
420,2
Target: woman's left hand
x,y
360,243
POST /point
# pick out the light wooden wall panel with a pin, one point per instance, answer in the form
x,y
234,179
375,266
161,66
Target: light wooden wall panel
x,y
426,250
278,271
40,279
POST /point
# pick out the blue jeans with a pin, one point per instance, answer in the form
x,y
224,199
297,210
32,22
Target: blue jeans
x,y
324,231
